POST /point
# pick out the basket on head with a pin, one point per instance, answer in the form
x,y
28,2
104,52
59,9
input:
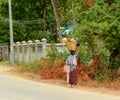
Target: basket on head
x,y
71,45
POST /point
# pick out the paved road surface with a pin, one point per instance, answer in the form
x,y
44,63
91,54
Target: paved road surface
x,y
12,88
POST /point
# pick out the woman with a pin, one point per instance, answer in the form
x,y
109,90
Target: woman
x,y
72,62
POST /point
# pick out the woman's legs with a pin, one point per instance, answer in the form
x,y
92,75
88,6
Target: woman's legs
x,y
73,78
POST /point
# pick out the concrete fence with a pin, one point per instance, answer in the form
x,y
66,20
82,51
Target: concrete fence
x,y
4,52
29,51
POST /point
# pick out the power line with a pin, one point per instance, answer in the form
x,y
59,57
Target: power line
x,y
28,21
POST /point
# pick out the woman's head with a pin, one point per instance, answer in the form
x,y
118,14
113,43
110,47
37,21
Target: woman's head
x,y
78,43
72,52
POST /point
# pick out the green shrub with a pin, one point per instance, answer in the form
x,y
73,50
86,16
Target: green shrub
x,y
37,65
30,67
53,54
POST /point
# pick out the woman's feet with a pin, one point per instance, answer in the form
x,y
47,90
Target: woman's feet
x,y
73,85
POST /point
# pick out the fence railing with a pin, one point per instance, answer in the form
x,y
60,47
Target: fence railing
x,y
29,51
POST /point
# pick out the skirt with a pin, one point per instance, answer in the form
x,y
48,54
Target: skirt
x,y
73,77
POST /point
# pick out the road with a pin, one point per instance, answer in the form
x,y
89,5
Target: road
x,y
12,88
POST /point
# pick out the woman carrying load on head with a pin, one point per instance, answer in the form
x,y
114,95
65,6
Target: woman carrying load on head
x,y
72,62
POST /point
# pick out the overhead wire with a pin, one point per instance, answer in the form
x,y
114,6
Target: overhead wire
x,y
28,21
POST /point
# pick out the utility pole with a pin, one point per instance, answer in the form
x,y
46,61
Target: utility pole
x,y
11,35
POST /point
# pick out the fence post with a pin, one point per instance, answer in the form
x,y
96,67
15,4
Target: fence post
x,y
36,48
44,46
3,53
23,50
30,49
18,51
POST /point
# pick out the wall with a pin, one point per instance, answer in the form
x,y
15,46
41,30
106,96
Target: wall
x,y
29,51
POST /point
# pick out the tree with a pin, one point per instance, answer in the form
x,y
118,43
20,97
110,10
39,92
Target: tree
x,y
57,18
100,21
30,20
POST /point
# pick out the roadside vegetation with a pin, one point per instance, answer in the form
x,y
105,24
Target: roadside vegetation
x,y
51,67
96,26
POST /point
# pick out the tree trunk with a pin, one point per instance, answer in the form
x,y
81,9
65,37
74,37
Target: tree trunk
x,y
57,19
73,13
115,59
44,15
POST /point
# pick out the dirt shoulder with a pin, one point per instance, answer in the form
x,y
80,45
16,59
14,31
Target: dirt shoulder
x,y
104,88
